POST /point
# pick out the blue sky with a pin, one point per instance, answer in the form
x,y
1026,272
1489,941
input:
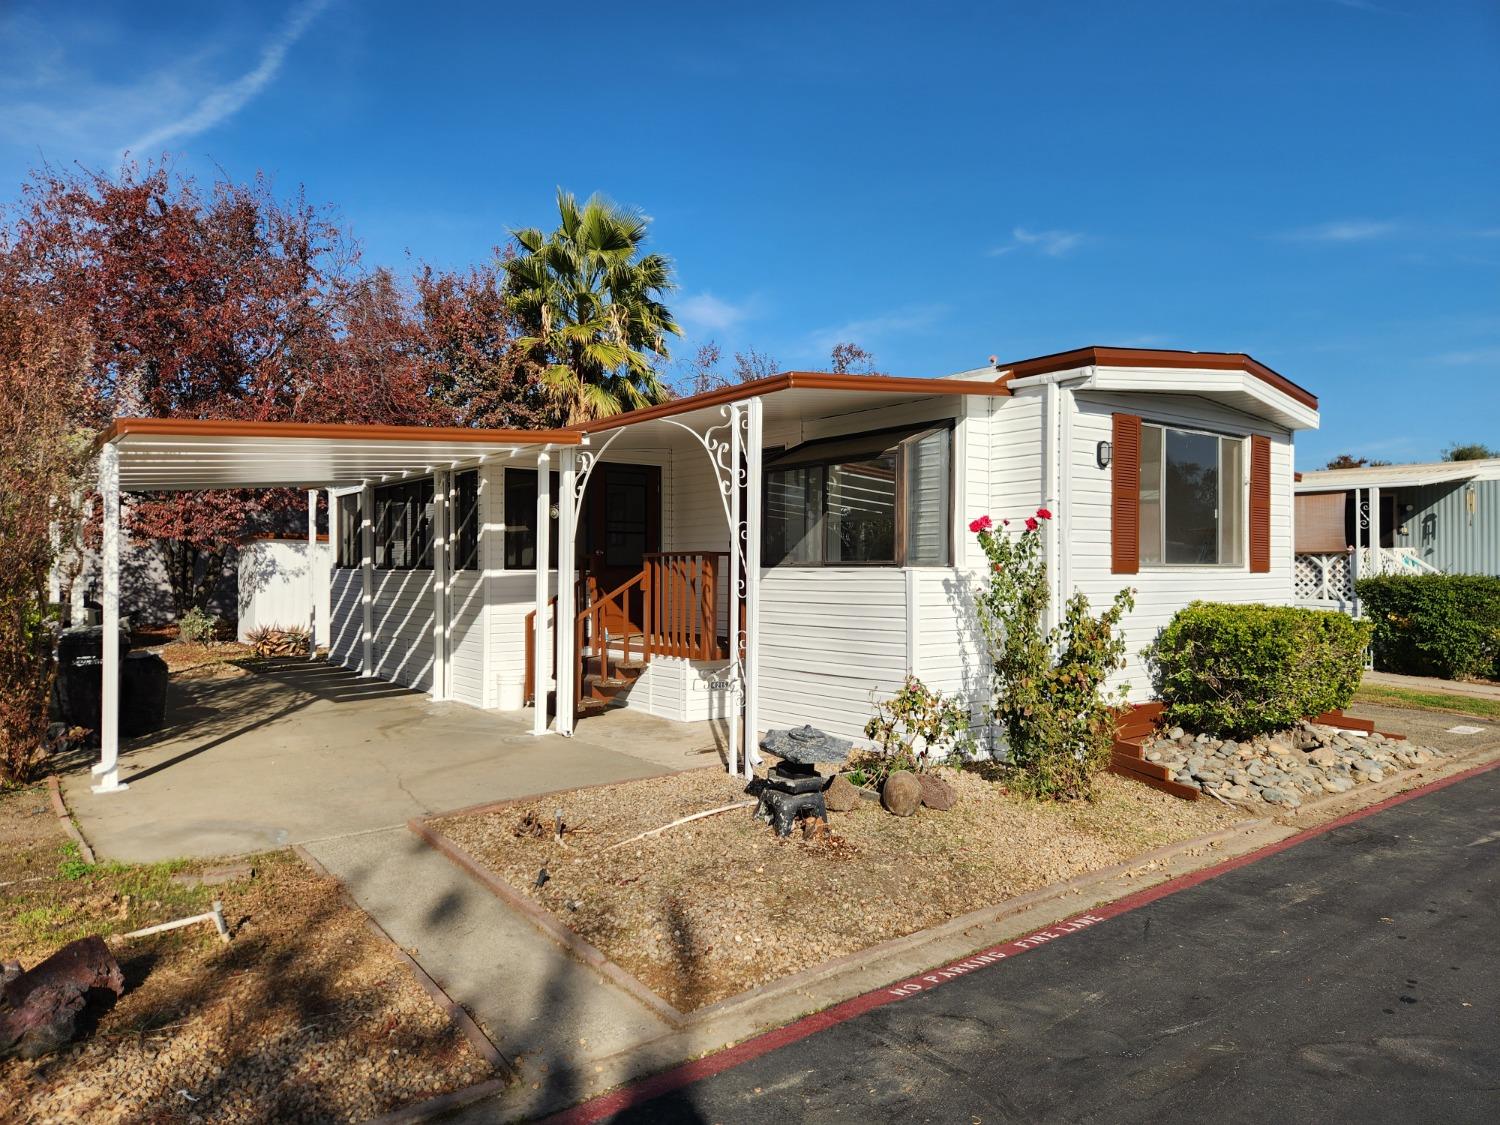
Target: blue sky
x,y
1316,182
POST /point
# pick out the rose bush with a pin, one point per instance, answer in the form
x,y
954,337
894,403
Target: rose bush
x,y
1048,697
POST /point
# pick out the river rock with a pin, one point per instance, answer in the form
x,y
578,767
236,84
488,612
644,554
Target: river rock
x,y
902,793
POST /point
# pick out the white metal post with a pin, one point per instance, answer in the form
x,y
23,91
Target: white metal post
x,y
367,578
312,572
752,586
325,634
567,659
541,662
736,546
108,768
440,586
1377,560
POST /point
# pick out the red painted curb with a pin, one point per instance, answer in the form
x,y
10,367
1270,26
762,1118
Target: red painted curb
x,y
687,1073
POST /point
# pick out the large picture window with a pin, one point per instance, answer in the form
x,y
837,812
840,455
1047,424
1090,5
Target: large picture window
x,y
873,499
403,526
1192,498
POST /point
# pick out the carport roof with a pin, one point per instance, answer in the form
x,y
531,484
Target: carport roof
x,y
184,454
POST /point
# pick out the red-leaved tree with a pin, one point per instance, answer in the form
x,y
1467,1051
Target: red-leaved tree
x,y
219,302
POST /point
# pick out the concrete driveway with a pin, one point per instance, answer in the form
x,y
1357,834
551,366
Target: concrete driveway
x,y
291,752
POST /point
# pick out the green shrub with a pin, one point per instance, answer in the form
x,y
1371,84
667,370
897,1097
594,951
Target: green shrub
x,y
1240,670
197,627
1444,625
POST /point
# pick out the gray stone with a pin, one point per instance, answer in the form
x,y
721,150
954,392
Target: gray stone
x,y
1175,733
1279,796
902,793
806,746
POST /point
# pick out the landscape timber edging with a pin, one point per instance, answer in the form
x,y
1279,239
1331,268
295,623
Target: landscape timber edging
x,y
552,927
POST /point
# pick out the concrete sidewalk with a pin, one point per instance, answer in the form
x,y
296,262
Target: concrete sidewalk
x,y
297,751
1433,684
547,1013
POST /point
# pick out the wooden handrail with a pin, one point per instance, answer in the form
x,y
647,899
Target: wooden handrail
x,y
530,696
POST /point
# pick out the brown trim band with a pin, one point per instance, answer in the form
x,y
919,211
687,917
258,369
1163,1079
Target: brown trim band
x,y
223,427
797,380
1156,357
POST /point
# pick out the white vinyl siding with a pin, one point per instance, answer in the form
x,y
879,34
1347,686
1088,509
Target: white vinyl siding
x,y
402,620
466,637
346,594
1161,592
829,638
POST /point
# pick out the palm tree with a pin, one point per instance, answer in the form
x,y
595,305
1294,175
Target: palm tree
x,y
589,308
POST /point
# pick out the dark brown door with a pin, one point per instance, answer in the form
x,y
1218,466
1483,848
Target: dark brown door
x,y
622,524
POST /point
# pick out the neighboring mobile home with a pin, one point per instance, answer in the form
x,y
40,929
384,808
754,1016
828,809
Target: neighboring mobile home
x,y
1440,517
783,551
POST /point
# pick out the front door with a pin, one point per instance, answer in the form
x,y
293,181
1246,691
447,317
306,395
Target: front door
x,y
622,524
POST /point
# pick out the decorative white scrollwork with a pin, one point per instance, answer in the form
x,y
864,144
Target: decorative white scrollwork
x,y
587,459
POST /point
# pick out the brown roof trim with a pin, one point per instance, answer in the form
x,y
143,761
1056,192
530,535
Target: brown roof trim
x,y
220,427
796,380
1159,357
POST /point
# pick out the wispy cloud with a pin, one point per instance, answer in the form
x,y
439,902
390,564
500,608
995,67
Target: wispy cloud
x,y
1052,243
1366,6
1345,230
59,99
1471,357
705,314
870,331
222,103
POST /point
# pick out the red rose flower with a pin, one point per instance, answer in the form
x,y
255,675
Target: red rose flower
x,y
1031,524
983,523
1043,513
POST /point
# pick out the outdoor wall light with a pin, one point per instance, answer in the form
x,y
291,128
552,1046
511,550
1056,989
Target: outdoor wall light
x,y
1102,453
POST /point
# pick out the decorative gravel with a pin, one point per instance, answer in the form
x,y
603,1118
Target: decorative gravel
x,y
1286,768
720,905
306,1016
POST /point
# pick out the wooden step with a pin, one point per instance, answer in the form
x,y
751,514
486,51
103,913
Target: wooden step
x,y
1176,788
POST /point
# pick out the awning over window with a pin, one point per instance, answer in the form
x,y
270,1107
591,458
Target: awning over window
x,y
860,447
1320,523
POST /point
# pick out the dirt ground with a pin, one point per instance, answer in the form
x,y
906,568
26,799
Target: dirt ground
x,y
720,905
304,1017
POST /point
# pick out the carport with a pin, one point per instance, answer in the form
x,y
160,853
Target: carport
x,y
180,454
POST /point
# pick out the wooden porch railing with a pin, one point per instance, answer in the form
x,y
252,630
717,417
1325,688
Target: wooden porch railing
x,y
682,604
669,608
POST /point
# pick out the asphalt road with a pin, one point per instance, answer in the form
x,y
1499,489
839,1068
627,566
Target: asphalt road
x,y
1354,977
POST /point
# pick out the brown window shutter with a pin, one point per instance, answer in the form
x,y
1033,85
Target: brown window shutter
x,y
1125,515
1260,504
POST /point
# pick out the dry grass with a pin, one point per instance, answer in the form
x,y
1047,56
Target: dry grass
x,y
306,1016
193,660
718,906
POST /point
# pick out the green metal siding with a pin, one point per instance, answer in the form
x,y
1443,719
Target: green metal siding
x,y
1445,533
